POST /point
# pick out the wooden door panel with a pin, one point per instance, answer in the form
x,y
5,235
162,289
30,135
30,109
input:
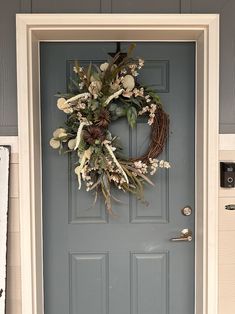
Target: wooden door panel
x,y
95,263
89,283
149,283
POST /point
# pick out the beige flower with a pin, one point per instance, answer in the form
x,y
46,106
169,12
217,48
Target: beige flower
x,y
72,143
54,143
63,105
128,82
127,93
104,66
59,133
95,88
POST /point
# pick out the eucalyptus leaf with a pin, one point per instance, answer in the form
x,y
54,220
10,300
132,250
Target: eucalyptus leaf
x,y
120,111
112,107
136,102
64,95
132,116
75,83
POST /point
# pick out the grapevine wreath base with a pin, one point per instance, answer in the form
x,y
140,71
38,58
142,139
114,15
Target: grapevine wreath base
x,y
99,95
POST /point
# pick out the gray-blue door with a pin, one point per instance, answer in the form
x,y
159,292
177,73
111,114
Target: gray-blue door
x,y
96,264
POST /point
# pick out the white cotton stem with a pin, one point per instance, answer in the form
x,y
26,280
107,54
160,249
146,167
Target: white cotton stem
x,y
83,95
116,162
79,132
115,95
86,156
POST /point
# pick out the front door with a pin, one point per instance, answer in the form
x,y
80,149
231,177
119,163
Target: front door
x,y
99,264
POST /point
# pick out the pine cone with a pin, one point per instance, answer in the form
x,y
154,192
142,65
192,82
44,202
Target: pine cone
x,y
92,134
103,118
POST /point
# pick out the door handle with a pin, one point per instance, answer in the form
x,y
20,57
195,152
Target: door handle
x,y
186,235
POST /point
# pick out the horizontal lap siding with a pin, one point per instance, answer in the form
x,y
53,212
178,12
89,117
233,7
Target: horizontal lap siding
x,y
13,295
226,246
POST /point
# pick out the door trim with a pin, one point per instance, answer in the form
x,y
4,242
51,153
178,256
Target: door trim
x,y
200,28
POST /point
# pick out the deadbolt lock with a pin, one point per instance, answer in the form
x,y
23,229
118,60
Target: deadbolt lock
x,y
186,211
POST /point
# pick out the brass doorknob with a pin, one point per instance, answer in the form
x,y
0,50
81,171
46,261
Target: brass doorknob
x,y
185,235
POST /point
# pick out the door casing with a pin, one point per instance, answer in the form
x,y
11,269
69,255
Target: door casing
x,y
200,28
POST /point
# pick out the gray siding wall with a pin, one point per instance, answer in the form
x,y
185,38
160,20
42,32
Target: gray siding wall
x,y
226,9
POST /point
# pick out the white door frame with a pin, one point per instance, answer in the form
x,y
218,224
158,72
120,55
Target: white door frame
x,y
202,29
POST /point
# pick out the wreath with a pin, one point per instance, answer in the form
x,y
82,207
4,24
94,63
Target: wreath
x,y
99,95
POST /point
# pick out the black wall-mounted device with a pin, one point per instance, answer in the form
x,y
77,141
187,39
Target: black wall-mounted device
x,y
227,174
230,207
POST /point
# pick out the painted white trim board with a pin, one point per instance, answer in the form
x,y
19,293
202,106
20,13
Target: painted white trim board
x,y
10,141
200,28
227,142
4,187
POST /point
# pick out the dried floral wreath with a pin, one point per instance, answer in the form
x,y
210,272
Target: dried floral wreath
x,y
101,95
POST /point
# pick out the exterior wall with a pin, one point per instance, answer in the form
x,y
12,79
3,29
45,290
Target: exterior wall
x,y
226,240
13,294
226,9
8,116
226,243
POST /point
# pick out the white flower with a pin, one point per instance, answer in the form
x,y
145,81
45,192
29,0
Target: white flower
x,y
141,167
81,105
153,108
144,109
150,121
72,143
134,73
75,69
81,85
54,143
109,148
167,164
141,62
104,66
138,92
115,178
154,165
128,82
59,133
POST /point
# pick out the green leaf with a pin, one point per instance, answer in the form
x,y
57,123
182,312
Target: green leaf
x,y
94,104
112,107
136,102
75,83
130,49
89,71
120,111
64,95
96,76
132,116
